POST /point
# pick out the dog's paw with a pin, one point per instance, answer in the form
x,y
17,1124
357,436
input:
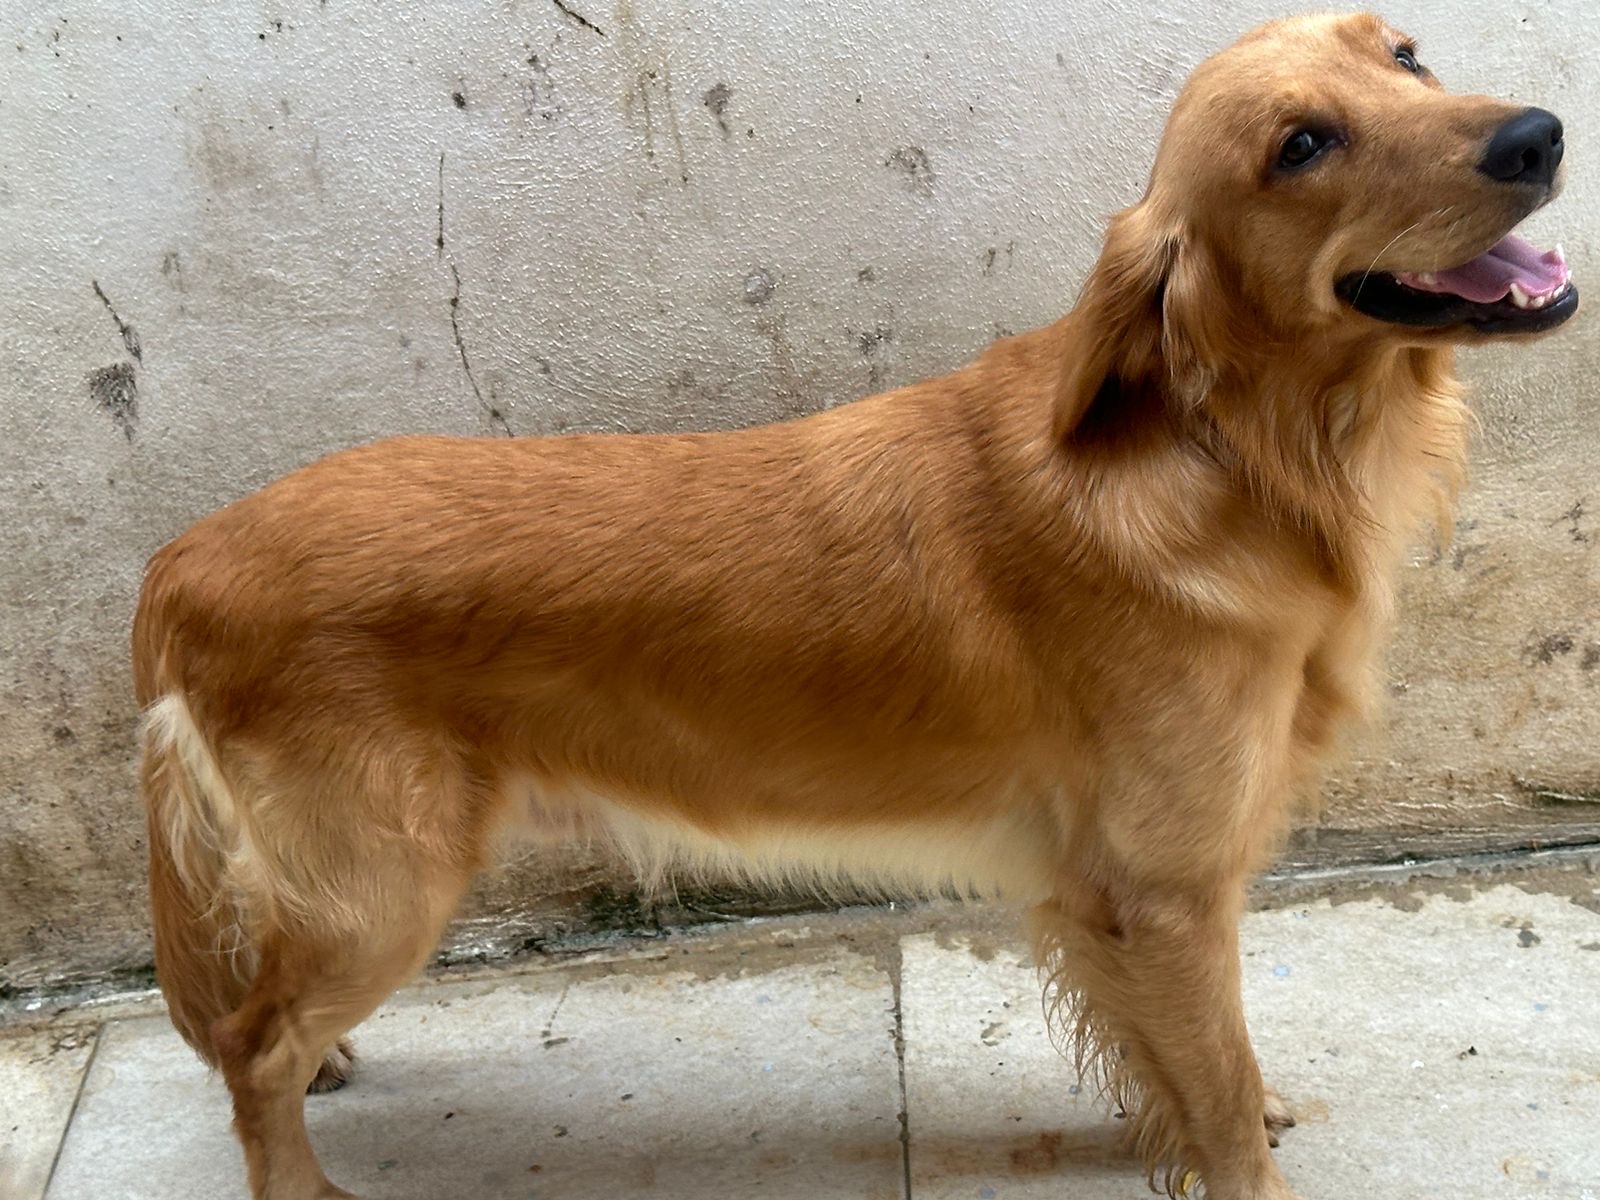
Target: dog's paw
x,y
1278,1116
335,1070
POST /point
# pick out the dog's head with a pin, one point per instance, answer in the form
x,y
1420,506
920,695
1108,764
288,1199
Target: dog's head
x,y
1316,184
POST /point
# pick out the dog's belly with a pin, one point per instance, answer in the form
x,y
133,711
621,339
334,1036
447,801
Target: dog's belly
x,y
1004,847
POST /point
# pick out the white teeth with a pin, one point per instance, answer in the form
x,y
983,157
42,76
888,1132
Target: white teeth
x,y
1429,278
1561,255
1519,297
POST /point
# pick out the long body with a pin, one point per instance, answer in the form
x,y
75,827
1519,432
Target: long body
x,y
1073,626
889,641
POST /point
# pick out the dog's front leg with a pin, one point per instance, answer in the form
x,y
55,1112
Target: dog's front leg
x,y
1145,973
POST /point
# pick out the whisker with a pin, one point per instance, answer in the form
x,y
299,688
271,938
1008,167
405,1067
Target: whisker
x,y
1367,274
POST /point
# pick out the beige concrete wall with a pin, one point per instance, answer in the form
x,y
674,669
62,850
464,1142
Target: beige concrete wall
x,y
234,237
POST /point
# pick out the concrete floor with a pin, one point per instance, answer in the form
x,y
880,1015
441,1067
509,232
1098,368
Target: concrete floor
x,y
1437,1044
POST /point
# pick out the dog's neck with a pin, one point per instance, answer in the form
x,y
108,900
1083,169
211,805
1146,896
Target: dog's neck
x,y
1347,451
1357,449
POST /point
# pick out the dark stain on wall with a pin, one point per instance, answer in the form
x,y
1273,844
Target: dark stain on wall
x,y
716,100
991,257
539,92
172,270
870,343
115,390
1542,650
1574,520
915,165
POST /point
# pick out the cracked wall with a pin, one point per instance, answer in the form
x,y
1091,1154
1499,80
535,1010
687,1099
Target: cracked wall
x,y
233,238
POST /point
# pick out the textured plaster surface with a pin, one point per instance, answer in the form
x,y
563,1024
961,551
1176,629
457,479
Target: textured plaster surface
x,y
235,237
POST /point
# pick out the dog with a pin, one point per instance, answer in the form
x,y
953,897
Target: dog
x,y
1073,626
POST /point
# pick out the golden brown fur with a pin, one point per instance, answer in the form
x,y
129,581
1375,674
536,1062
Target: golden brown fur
x,y
1072,625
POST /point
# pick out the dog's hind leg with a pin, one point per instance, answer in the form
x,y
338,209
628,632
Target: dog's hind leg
x,y
1278,1117
310,989
1146,975
335,1070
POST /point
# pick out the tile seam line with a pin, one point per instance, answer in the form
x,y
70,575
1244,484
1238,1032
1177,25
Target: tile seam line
x,y
72,1113
897,978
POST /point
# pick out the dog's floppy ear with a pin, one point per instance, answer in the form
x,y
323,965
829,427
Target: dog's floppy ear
x,y
1149,328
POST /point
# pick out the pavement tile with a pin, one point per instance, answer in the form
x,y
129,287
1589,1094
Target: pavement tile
x,y
1447,1051
781,1083
40,1074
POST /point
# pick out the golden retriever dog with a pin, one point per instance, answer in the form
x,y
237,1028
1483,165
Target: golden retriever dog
x,y
1072,626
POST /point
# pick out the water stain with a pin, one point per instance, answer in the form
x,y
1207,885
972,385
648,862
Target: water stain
x,y
1311,1112
1042,1153
224,159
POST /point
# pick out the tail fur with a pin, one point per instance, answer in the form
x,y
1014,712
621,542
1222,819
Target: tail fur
x,y
205,955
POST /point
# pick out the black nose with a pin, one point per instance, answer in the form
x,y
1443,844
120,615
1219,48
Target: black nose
x,y
1526,149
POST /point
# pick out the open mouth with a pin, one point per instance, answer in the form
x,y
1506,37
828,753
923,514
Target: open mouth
x,y
1512,287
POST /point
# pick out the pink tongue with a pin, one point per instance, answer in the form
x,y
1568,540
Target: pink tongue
x,y
1489,277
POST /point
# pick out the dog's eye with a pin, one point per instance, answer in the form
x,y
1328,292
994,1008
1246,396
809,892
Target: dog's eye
x,y
1407,58
1301,147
